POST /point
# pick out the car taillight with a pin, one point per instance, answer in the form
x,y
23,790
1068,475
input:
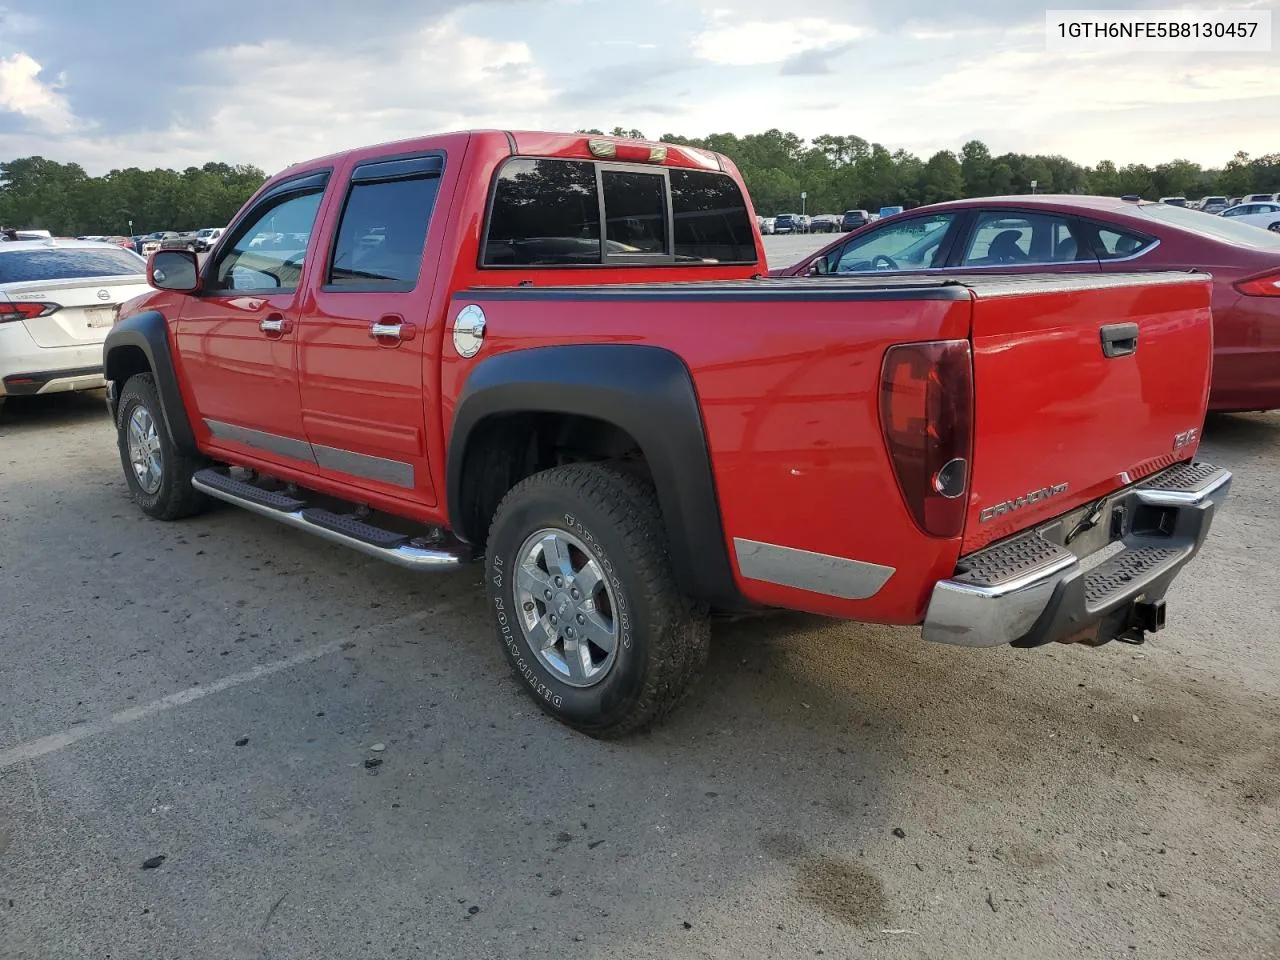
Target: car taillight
x,y
926,413
25,310
1267,285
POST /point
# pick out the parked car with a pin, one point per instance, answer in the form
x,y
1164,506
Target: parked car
x,y
1068,233
493,382
1265,215
889,211
788,223
57,303
853,219
767,227
12,234
150,243
824,223
1259,198
1174,201
183,240
1213,204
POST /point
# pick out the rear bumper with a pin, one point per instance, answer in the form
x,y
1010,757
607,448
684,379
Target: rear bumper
x,y
1033,589
52,381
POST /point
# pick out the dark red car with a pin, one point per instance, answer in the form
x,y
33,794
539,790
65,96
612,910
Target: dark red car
x,y
1029,234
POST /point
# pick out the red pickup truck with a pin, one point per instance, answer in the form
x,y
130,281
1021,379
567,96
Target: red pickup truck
x,y
559,354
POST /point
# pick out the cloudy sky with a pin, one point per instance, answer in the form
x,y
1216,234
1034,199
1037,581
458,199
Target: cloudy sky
x,y
113,83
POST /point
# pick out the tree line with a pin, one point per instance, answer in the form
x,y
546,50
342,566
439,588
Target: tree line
x,y
60,197
836,172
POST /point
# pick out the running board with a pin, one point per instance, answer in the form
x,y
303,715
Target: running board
x,y
374,541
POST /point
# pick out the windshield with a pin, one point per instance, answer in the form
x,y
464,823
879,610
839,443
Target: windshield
x,y
25,266
1219,228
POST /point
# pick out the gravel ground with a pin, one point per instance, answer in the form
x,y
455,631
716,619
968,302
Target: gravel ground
x,y
212,692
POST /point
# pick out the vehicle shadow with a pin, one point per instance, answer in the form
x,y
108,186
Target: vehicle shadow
x,y
18,414
1241,431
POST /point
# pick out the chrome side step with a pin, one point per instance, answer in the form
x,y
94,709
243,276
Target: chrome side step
x,y
347,531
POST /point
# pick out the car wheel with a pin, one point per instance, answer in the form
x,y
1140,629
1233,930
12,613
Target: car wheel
x,y
1274,227
158,473
586,604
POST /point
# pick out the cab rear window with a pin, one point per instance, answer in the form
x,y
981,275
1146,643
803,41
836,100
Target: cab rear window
x,y
549,213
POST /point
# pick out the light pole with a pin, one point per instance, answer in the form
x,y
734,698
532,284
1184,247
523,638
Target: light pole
x,y
804,195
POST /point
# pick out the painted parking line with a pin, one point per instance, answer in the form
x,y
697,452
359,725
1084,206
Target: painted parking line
x,y
65,738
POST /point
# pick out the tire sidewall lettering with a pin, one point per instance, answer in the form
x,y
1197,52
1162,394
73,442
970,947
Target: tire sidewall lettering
x,y
507,614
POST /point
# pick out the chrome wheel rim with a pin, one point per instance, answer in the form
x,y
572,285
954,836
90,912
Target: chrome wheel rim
x,y
144,450
567,607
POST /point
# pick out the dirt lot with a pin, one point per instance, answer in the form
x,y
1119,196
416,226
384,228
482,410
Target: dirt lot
x,y
210,691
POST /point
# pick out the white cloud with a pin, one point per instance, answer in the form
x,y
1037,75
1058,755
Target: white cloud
x,y
282,102
306,102
1036,80
749,42
22,92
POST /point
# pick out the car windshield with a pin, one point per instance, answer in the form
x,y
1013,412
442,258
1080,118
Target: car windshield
x,y
1219,228
25,266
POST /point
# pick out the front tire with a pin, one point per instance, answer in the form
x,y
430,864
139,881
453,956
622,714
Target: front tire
x,y
587,607
158,473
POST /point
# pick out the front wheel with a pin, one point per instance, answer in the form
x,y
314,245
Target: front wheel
x,y
1274,227
587,607
158,473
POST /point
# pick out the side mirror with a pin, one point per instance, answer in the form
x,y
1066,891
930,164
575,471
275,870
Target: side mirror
x,y
818,268
176,270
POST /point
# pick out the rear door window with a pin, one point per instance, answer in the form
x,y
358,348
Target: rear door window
x,y
1005,238
384,224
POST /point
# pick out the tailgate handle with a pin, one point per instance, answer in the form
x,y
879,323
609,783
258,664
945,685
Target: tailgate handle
x,y
1119,339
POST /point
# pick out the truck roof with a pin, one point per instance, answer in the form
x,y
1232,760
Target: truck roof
x,y
538,143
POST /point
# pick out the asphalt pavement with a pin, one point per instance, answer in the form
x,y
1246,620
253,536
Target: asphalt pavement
x,y
225,739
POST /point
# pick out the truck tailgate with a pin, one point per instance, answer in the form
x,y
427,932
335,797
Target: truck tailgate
x,y
1082,384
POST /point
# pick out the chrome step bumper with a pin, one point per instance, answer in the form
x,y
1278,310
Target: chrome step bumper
x,y
1031,589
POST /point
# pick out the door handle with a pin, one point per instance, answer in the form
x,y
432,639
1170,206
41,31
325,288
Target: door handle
x,y
276,323
392,327
1119,339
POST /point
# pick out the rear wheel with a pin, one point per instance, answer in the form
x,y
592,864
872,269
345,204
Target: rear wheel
x,y
1274,227
587,607
158,473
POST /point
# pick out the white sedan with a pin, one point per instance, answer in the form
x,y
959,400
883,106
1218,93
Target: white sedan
x,y
1265,215
58,300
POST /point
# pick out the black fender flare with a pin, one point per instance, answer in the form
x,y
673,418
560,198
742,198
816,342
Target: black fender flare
x,y
646,391
149,332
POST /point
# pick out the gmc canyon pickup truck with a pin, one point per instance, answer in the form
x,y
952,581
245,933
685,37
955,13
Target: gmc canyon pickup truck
x,y
558,356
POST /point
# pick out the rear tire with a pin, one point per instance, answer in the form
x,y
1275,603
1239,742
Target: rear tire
x,y
158,473
1274,227
609,526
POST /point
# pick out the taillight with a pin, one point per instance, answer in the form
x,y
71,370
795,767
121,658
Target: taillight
x,y
26,310
1267,285
926,413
